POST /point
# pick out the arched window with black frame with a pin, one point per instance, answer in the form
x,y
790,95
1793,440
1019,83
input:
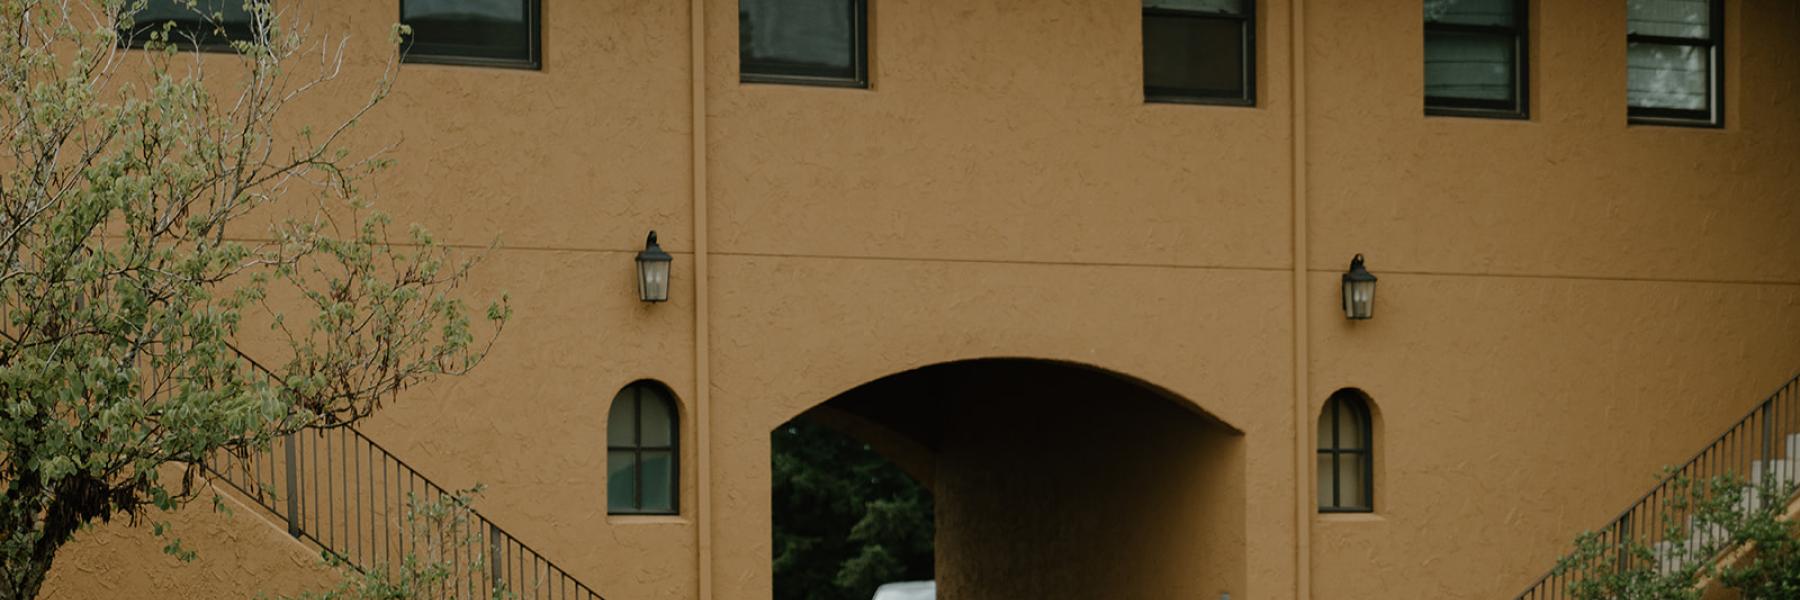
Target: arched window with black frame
x,y
1346,454
642,458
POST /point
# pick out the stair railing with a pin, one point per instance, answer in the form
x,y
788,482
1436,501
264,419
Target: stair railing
x,y
1751,449
361,505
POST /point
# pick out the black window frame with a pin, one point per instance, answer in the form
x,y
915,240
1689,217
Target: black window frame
x,y
794,75
534,24
214,37
1714,115
660,393
1355,401
1247,25
1520,105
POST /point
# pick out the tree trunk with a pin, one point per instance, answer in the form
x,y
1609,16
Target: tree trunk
x,y
30,536
24,578
26,548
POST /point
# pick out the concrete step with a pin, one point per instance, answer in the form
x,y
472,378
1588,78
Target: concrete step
x,y
1783,471
1749,499
1671,555
1705,534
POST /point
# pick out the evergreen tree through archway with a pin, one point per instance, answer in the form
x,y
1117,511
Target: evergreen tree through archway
x,y
845,519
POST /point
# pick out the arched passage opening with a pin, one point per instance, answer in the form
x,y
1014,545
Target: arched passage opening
x,y
1052,479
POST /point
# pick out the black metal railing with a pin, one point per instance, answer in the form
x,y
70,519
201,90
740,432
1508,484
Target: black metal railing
x,y
363,506
1661,526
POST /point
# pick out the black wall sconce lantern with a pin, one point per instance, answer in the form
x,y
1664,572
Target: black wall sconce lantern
x,y
653,271
1359,291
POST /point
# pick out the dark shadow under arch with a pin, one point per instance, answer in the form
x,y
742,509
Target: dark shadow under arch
x,y
1059,479
931,387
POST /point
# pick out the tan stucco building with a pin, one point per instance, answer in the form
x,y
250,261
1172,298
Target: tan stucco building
x,y
1568,301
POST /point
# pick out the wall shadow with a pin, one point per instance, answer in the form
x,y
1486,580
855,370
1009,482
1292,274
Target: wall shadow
x,y
1054,479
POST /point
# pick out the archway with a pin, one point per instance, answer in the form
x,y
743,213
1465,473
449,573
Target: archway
x,y
1054,479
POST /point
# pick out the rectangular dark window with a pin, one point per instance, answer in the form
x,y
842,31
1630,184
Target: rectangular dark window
x,y
495,33
203,24
1475,58
1673,62
1200,51
816,42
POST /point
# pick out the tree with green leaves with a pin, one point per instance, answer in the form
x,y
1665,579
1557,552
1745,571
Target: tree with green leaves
x,y
186,268
845,519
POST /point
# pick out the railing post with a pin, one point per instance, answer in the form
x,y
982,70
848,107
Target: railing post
x,y
1768,445
494,547
293,489
1622,537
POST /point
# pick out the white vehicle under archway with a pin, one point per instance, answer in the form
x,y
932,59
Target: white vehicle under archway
x,y
907,590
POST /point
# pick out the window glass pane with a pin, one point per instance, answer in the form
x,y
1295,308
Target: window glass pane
x,y
797,37
1350,428
1672,18
1325,489
1666,76
1189,56
206,23
229,11
1228,7
1469,66
620,422
1470,12
1325,424
659,423
1350,481
473,28
621,481
659,481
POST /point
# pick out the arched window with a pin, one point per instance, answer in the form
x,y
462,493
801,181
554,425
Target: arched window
x,y
1346,454
642,431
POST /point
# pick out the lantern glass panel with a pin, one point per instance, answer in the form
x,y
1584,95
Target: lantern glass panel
x,y
653,279
1359,299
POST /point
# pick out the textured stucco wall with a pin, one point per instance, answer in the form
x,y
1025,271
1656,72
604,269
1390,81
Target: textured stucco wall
x,y
1566,302
241,555
1498,447
965,311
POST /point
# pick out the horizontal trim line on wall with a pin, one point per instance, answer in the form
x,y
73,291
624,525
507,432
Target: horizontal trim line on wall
x,y
1382,272
1002,261
497,247
996,261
